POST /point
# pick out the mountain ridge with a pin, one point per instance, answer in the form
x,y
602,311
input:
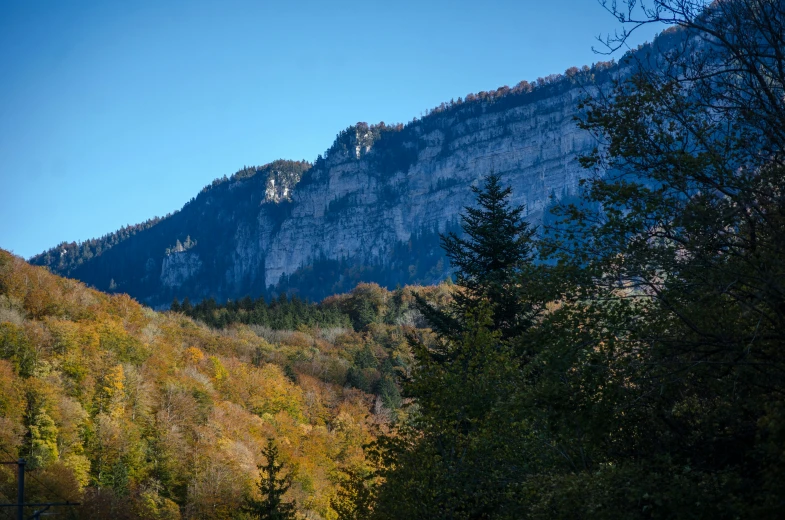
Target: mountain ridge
x,y
370,209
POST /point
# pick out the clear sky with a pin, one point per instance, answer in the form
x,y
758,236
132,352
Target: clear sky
x,y
112,112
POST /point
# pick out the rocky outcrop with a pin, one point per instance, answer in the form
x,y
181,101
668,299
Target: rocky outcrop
x,y
179,267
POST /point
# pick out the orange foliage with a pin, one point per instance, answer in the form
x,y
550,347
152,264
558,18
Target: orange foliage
x,y
162,416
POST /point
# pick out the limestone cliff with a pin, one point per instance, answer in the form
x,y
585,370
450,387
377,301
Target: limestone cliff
x,y
369,210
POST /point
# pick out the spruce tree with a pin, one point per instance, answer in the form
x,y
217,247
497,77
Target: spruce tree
x,y
452,458
355,496
493,260
272,488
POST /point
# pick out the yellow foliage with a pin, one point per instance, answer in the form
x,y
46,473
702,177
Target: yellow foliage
x,y
219,371
80,466
109,396
193,355
137,402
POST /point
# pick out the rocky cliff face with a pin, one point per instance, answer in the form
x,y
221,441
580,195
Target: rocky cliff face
x,y
349,209
369,210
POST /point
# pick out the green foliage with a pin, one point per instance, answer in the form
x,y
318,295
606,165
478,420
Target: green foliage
x,y
15,347
282,313
454,450
387,389
126,347
355,497
365,305
365,359
650,385
41,441
364,373
449,455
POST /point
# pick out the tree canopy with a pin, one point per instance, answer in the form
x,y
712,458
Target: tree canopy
x,y
651,384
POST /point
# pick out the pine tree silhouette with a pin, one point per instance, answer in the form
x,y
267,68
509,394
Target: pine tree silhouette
x,y
491,261
272,487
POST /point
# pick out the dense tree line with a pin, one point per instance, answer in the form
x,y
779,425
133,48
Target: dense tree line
x,y
376,365
281,313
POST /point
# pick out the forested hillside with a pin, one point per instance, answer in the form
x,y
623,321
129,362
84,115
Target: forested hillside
x,y
138,414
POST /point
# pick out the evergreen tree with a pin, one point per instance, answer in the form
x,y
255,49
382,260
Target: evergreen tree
x,y
175,307
663,371
451,459
246,303
656,387
493,262
272,488
455,456
356,495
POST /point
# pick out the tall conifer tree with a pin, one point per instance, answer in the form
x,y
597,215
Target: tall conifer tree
x,y
272,488
493,260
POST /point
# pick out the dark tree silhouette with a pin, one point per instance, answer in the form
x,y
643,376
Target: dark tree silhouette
x,y
272,487
491,263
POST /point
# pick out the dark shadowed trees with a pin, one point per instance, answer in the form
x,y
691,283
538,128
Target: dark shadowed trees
x,y
272,486
653,385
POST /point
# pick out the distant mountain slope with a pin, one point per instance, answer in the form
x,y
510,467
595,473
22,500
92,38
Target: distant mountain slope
x,y
113,262
370,209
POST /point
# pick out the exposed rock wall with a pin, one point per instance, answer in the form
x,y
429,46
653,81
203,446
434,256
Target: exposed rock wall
x,y
533,146
179,267
361,205
370,209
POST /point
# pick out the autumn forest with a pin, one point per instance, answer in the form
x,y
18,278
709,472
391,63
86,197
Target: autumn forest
x,y
623,359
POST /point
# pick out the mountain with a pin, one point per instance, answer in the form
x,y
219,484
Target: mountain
x,y
370,209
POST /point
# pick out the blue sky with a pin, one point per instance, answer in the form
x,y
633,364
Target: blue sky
x,y
113,112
